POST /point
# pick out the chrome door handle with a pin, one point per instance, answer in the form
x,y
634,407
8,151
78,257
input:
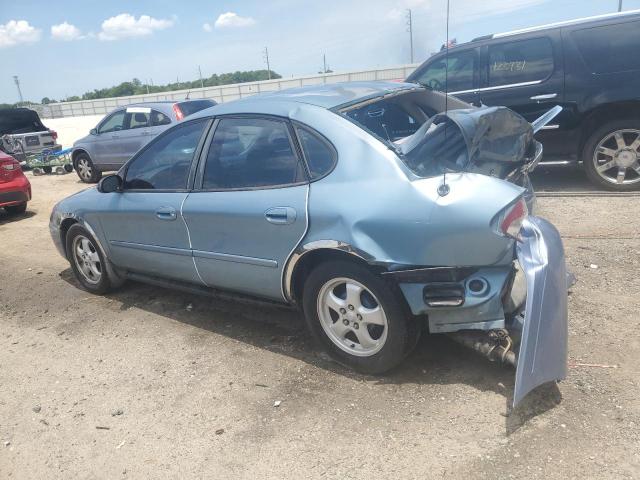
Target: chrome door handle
x,y
166,213
281,215
546,96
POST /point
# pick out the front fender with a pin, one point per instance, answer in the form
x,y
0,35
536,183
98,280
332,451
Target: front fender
x,y
543,348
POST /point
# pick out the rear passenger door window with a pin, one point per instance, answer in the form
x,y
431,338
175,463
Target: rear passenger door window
x,y
251,152
610,48
318,153
519,62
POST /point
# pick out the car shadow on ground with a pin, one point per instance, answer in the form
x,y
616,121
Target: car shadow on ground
x,y
562,179
14,217
436,360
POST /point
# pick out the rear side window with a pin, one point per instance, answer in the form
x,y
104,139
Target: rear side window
x,y
159,118
611,48
453,73
251,153
165,164
519,62
319,154
193,106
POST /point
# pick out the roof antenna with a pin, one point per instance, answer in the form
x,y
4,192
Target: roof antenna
x,y
443,188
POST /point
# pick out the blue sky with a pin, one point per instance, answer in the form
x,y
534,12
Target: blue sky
x,y
97,44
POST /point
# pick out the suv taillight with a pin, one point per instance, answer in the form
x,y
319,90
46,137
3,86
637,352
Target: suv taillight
x,y
54,134
178,112
509,221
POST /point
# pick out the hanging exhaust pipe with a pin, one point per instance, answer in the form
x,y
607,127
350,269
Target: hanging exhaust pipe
x,y
496,345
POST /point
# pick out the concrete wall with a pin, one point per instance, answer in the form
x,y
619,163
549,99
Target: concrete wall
x,y
71,129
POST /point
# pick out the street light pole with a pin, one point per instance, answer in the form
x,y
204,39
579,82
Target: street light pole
x,y
17,80
266,58
410,30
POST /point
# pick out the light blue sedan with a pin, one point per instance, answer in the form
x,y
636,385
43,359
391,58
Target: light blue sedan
x,y
365,204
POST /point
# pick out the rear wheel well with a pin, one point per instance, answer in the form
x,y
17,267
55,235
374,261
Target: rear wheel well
x,y
604,114
64,228
312,259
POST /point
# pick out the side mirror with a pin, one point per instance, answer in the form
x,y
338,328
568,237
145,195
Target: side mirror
x,y
110,183
93,131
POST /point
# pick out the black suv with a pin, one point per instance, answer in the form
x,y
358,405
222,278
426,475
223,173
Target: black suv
x,y
591,67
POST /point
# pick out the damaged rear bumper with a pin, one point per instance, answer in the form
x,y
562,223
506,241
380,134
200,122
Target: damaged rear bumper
x,y
542,356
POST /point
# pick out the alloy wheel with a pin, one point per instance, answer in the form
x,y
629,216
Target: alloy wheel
x,y
616,157
84,169
352,317
87,259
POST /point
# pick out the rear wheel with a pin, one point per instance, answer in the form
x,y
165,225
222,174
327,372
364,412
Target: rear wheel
x,y
358,318
86,170
17,209
611,155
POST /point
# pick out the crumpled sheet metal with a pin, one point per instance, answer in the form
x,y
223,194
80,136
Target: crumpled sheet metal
x,y
543,348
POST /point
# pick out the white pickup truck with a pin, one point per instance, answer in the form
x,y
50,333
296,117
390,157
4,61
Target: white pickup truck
x,y
22,133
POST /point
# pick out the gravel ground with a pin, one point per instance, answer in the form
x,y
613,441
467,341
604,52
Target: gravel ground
x,y
146,383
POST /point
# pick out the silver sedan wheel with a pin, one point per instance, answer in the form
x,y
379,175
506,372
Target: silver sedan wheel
x,y
87,259
616,157
84,169
352,317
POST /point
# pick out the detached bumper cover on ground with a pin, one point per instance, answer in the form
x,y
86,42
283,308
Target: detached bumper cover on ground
x,y
543,349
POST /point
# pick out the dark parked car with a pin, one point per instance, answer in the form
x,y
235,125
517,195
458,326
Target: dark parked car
x,y
125,131
22,133
589,66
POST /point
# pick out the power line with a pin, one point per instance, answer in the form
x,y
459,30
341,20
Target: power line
x,y
266,58
410,30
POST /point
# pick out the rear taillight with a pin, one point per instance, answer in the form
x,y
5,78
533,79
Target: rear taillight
x,y
178,112
54,134
10,166
509,221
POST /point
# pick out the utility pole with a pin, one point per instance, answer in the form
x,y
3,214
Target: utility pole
x,y
17,80
201,81
324,63
147,88
619,5
266,58
410,30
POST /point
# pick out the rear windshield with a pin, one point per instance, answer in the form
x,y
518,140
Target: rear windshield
x,y
386,119
610,48
19,120
193,106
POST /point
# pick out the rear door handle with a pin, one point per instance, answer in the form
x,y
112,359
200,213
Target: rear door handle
x,y
166,213
281,215
546,96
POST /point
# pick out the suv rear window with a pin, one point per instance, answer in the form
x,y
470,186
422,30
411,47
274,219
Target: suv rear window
x,y
519,62
610,48
193,106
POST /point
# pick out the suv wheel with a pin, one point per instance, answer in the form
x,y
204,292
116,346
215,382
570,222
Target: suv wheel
x,y
357,317
612,155
87,261
85,169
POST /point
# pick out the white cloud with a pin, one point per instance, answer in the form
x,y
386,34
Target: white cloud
x,y
126,25
15,32
65,31
207,27
231,19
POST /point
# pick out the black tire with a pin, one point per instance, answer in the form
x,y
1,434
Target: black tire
x,y
87,176
105,283
16,209
68,167
402,330
589,151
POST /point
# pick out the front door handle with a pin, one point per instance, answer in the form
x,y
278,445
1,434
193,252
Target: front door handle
x,y
166,213
546,96
281,215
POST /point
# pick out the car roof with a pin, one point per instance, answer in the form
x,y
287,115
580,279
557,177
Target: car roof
x,y
328,96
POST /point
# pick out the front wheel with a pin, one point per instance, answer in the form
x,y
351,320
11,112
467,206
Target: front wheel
x,y
357,317
86,170
611,155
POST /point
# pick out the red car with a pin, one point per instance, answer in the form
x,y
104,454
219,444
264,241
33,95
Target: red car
x,y
15,189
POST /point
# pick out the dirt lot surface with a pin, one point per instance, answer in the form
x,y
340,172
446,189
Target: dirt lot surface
x,y
147,383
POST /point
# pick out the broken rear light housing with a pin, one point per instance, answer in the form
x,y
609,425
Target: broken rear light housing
x,y
509,221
